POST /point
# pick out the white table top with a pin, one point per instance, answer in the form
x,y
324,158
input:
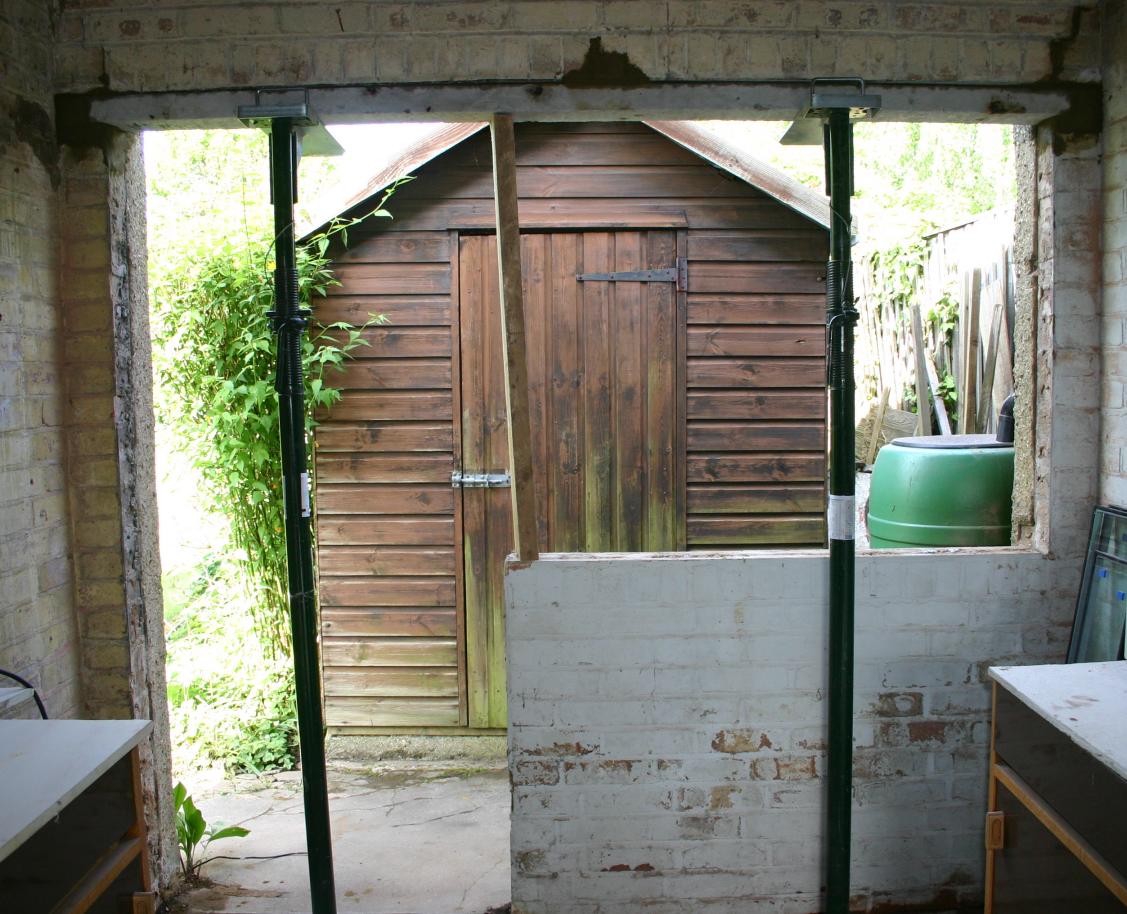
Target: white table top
x,y
44,764
1085,701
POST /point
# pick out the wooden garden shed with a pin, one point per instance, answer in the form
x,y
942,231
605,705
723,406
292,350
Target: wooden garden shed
x,y
674,296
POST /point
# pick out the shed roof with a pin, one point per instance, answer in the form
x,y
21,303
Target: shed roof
x,y
707,145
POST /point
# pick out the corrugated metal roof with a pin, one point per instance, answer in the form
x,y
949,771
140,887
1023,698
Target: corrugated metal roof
x,y
708,146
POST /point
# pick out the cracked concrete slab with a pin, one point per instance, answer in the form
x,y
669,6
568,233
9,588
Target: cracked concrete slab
x,y
407,839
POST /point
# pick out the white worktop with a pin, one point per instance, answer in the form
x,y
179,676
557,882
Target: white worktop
x,y
1085,701
44,764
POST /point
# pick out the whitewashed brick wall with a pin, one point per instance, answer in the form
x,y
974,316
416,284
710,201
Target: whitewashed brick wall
x,y
38,639
667,737
1114,322
1068,339
124,45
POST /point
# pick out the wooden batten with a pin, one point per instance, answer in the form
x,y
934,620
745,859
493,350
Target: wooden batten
x,y
513,335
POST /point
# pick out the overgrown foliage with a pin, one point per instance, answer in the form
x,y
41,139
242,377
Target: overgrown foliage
x,y
230,706
215,360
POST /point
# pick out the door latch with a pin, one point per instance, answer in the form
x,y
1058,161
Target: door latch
x,y
459,480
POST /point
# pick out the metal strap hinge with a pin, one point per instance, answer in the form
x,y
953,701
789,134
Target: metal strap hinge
x,y
677,275
460,480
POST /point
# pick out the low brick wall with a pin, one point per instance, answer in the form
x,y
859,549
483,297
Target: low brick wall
x,y
667,735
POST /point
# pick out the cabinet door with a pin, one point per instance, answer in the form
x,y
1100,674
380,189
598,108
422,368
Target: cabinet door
x,y
1035,874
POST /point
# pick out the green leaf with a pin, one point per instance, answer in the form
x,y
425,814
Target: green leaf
x,y
231,831
196,826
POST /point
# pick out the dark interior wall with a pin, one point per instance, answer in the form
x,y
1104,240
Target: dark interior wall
x,y
38,633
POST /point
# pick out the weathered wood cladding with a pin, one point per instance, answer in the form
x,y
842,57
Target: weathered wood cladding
x,y
749,342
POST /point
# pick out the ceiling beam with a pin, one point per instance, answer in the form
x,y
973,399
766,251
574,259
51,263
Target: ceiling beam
x,y
553,102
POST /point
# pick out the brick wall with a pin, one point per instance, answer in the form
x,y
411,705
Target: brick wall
x,y
1114,323
129,46
37,629
668,725
1065,372
105,351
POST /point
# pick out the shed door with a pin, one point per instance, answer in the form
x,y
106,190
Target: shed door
x,y
606,395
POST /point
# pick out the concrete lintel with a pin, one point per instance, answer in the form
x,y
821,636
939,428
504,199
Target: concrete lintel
x,y
534,101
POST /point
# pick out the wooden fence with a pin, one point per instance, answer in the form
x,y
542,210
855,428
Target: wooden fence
x,y
955,325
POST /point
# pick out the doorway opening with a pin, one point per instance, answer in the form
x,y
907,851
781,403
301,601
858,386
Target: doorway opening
x,y
230,687
677,393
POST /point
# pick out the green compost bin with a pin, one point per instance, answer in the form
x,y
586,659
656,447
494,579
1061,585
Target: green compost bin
x,y
942,490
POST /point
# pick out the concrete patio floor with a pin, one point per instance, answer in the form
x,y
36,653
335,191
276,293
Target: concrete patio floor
x,y
408,838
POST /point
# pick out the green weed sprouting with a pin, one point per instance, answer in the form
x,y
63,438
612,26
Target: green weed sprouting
x,y
194,835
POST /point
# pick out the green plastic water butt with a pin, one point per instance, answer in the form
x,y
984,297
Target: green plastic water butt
x,y
942,491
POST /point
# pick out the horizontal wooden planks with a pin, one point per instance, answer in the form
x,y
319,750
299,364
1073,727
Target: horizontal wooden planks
x,y
386,622
756,345
396,468
733,212
348,559
353,711
791,340
390,404
756,530
380,560
398,682
757,499
395,247
601,149
394,374
387,591
771,245
389,651
593,180
727,308
397,342
757,436
381,436
392,278
343,498
764,372
779,467
398,310
756,278
803,403
422,530
385,508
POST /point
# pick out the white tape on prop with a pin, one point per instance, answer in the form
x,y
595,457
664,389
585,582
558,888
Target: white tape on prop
x,y
305,512
841,517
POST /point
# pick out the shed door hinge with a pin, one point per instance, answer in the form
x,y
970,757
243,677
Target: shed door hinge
x,y
679,275
459,480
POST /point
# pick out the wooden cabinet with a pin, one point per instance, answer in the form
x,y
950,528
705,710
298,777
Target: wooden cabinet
x,y
1055,829
72,829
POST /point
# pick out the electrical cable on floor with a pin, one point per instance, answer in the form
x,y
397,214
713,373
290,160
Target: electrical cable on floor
x,y
28,685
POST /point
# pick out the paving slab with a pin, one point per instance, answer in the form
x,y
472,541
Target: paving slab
x,y
406,840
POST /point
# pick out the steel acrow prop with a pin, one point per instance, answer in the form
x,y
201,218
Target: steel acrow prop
x,y
287,125
834,106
